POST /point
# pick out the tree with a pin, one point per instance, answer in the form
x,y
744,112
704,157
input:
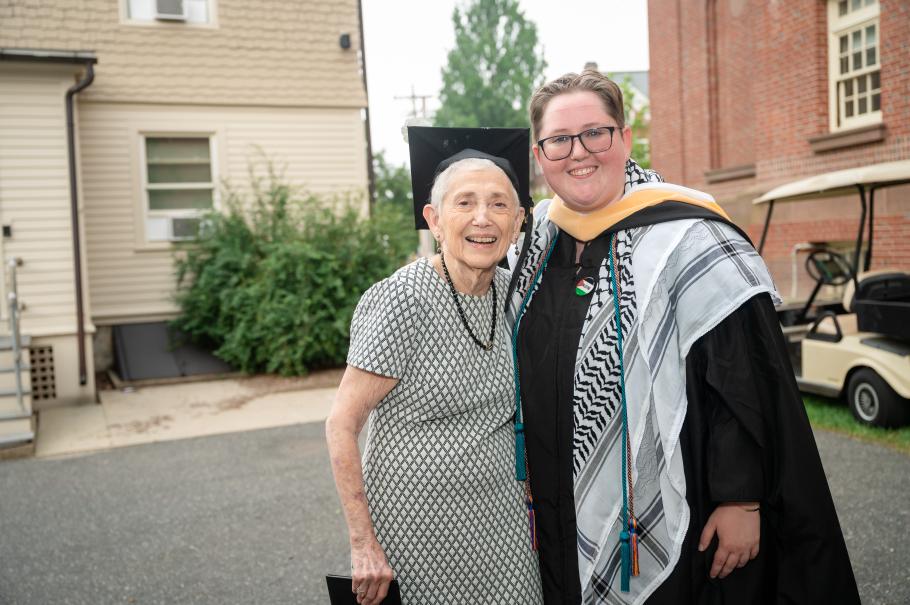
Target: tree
x,y
495,66
638,118
393,183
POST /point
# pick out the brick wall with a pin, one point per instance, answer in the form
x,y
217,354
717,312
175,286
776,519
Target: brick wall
x,y
268,52
758,99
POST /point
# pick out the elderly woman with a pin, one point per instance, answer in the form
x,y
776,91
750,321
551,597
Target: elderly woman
x,y
668,452
435,503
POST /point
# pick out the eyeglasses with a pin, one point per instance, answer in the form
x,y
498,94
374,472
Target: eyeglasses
x,y
594,140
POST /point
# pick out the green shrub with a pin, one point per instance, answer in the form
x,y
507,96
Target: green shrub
x,y
271,283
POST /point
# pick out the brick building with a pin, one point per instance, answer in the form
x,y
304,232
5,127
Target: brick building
x,y
169,98
749,94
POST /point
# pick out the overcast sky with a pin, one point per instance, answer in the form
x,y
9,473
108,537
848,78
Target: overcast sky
x,y
407,42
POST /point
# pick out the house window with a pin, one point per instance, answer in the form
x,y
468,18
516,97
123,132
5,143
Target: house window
x,y
855,69
179,186
189,11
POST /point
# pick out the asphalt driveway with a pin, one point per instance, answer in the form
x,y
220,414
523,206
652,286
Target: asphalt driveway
x,y
253,518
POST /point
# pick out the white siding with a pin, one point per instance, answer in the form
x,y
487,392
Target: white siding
x,y
321,150
34,194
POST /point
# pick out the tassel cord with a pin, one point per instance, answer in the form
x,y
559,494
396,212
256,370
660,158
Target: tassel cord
x,y
521,473
626,536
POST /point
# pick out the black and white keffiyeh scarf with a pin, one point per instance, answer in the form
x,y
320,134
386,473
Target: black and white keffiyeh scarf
x,y
677,281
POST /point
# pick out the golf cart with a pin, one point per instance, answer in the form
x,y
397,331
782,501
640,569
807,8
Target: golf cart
x,y
856,346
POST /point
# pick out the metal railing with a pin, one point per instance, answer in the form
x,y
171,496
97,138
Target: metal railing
x,y
15,342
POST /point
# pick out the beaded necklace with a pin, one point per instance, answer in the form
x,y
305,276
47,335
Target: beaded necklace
x,y
486,346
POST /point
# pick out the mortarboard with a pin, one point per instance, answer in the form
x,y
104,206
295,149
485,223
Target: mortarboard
x,y
433,150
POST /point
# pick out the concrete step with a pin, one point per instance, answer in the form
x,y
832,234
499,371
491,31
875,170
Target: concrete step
x,y
8,383
9,406
16,432
6,342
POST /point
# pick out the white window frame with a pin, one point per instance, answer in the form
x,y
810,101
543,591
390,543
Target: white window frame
x,y
148,213
127,19
838,26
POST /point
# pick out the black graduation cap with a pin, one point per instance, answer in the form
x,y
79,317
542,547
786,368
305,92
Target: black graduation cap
x,y
434,149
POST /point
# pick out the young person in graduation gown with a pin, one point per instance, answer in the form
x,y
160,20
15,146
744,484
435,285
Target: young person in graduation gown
x,y
667,452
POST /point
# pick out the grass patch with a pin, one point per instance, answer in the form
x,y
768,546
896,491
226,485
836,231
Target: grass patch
x,y
834,415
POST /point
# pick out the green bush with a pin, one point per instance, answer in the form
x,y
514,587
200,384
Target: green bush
x,y
271,283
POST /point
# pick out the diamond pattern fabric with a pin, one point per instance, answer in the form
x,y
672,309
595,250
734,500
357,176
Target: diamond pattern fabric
x,y
439,460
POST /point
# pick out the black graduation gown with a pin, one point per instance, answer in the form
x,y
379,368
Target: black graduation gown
x,y
745,438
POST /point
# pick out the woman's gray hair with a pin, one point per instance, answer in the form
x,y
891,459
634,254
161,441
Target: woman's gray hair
x,y
441,184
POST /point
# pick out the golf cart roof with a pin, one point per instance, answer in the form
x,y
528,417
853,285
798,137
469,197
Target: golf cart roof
x,y
840,182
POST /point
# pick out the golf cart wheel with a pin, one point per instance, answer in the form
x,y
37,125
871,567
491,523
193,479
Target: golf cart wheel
x,y
874,402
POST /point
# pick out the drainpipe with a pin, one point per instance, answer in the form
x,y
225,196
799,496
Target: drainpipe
x,y
74,211
371,177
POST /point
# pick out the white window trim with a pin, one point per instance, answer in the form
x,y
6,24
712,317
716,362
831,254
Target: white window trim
x,y
145,212
836,25
212,22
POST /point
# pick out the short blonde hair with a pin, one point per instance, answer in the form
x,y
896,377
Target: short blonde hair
x,y
441,183
591,80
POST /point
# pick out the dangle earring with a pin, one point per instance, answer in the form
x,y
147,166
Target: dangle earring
x,y
517,251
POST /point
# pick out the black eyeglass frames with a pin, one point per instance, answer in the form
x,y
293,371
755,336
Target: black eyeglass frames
x,y
594,140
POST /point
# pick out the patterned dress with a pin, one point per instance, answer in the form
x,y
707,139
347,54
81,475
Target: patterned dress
x,y
439,461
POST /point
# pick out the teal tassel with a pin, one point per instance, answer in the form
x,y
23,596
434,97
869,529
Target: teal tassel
x,y
521,469
626,552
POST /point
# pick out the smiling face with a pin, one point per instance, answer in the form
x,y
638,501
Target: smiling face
x,y
584,181
478,218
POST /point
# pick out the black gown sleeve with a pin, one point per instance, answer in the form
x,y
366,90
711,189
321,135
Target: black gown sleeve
x,y
733,430
746,437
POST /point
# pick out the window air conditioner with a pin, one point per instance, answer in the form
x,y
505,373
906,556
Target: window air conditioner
x,y
170,10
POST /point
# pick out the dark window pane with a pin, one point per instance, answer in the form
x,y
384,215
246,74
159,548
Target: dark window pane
x,y
180,173
848,88
842,8
861,106
857,39
844,65
843,44
857,60
170,199
876,83
861,84
185,228
876,102
848,109
870,56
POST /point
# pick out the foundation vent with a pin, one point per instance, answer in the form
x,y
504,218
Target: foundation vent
x,y
41,361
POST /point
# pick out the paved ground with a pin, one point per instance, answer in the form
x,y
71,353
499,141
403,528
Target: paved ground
x,y
252,518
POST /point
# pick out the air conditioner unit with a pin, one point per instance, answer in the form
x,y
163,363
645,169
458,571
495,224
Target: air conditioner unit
x,y
170,10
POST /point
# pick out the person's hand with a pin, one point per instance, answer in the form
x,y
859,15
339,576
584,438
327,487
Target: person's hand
x,y
370,572
737,525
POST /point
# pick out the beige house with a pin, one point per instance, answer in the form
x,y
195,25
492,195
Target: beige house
x,y
169,98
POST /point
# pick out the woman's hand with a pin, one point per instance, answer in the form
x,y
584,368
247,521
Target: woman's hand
x,y
370,571
738,526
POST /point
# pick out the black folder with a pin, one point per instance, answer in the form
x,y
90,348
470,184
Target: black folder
x,y
340,592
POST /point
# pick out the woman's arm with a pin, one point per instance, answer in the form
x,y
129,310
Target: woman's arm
x,y
358,394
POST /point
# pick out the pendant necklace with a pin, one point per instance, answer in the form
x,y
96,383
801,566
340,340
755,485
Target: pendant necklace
x,y
486,346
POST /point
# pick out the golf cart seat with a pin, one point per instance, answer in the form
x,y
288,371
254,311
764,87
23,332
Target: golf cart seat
x,y
830,325
881,302
846,322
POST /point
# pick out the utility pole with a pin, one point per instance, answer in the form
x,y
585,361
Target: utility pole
x,y
426,245
413,98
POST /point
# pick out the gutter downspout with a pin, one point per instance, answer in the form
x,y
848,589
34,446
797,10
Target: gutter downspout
x,y
74,212
371,177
